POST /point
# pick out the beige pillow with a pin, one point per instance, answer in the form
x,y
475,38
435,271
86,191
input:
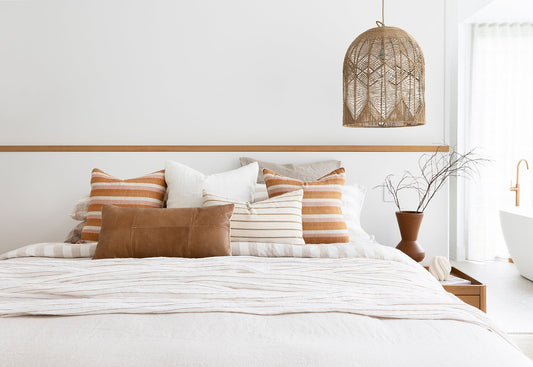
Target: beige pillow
x,y
277,220
74,236
304,172
80,210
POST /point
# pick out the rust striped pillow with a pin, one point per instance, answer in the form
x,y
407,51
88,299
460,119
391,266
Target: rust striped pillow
x,y
143,192
322,218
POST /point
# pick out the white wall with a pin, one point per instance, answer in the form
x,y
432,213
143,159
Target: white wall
x,y
197,72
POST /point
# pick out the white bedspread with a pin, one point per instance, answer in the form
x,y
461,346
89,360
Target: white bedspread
x,y
391,288
379,283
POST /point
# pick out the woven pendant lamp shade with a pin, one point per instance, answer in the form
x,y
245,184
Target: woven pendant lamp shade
x,y
384,80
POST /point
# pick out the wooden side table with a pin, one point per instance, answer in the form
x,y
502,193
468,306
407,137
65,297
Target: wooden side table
x,y
475,293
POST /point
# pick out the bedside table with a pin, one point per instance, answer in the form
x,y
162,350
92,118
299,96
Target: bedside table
x,y
475,293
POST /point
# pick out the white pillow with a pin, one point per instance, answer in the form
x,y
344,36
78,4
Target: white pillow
x,y
260,193
185,185
353,197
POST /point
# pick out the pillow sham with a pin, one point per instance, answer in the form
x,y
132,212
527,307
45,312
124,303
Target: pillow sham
x,y
322,218
183,232
304,172
353,197
277,220
74,236
80,209
185,185
143,192
324,250
361,249
260,193
51,249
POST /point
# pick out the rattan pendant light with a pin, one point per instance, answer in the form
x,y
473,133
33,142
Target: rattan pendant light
x,y
383,79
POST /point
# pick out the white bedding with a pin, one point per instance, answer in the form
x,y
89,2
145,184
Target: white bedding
x,y
377,308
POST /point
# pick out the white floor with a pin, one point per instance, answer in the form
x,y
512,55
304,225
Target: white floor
x,y
509,299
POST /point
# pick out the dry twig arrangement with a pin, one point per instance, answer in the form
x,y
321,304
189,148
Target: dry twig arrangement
x,y
435,169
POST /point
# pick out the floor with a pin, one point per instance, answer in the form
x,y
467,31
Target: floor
x,y
509,299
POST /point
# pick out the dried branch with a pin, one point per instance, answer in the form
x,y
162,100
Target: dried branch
x,y
435,170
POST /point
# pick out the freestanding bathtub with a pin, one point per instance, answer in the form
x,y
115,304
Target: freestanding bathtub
x,y
517,226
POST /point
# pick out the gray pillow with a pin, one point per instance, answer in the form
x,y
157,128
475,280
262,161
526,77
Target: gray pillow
x,y
74,236
304,172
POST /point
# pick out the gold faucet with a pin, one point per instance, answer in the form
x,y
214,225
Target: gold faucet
x,y
516,188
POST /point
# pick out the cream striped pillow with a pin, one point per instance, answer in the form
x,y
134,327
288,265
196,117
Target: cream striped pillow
x,y
143,192
322,217
276,220
52,249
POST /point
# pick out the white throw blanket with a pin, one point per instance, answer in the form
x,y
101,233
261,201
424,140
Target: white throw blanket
x,y
379,282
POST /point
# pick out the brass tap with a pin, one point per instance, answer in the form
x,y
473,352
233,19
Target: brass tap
x,y
516,188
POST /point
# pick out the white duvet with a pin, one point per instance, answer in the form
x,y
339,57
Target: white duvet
x,y
375,307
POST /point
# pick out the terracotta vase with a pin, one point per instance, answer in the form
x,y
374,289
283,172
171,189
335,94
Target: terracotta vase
x,y
409,224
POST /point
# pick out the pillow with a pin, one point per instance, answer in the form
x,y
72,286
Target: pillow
x,y
74,236
143,192
80,209
185,185
184,232
51,249
368,248
277,220
322,218
304,172
260,193
353,197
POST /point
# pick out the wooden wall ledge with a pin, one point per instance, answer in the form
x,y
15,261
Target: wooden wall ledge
x,y
224,148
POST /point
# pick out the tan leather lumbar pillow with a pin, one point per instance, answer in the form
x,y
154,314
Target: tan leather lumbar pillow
x,y
146,232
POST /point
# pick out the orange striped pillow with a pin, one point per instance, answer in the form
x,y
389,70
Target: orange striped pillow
x,y
322,217
143,192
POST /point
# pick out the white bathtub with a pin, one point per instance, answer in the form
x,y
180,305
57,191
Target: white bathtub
x,y
517,226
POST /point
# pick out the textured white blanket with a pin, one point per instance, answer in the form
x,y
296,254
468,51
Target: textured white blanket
x,y
166,312
379,282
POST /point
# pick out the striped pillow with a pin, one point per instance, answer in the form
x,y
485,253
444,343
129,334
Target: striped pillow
x,y
276,220
143,192
52,249
322,217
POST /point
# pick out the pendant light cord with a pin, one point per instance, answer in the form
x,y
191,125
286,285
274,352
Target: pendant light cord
x,y
383,12
382,23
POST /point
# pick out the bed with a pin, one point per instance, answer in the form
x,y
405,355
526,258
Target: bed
x,y
307,301
357,304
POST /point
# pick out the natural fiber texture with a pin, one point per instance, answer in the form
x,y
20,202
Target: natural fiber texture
x,y
384,80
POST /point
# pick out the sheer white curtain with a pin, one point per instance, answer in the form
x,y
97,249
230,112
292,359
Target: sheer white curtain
x,y
501,124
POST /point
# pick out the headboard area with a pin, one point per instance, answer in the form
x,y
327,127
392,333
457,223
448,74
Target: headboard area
x,y
39,185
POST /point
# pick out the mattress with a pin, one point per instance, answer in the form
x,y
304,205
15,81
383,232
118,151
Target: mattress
x,y
372,306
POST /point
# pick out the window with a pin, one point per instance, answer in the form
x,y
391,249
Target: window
x,y
500,123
